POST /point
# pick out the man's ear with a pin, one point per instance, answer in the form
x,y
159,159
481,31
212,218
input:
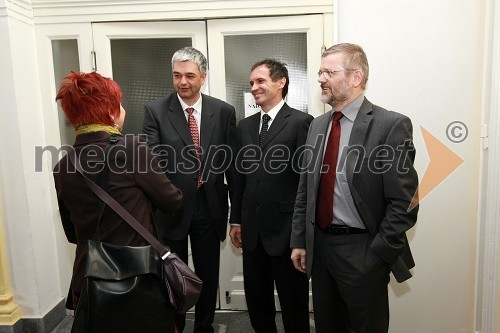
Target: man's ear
x,y
357,78
282,82
203,78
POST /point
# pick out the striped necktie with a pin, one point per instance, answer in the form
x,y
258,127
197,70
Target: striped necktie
x,y
263,130
193,128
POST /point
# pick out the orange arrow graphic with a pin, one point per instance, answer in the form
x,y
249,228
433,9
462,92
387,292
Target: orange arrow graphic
x,y
442,162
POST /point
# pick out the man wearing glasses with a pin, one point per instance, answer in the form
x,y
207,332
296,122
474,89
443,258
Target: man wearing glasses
x,y
353,200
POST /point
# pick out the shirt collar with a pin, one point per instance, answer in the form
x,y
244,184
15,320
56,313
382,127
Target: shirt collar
x,y
351,110
274,111
196,106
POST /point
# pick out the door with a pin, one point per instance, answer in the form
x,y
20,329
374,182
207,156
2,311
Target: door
x,y
234,46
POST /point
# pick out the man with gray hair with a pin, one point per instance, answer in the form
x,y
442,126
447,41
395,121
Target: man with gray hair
x,y
188,130
353,204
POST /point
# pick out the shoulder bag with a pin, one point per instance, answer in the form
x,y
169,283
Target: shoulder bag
x,y
125,282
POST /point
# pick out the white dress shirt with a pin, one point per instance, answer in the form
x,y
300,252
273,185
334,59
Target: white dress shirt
x,y
196,113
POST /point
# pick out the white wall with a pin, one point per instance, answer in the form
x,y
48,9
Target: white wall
x,y
25,194
426,62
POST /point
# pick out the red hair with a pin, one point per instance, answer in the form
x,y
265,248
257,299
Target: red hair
x,y
89,98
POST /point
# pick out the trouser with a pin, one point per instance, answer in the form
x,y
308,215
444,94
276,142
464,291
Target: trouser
x,y
205,248
261,272
349,283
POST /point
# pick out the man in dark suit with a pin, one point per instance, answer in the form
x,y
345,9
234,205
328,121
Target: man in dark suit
x,y
352,209
269,144
188,129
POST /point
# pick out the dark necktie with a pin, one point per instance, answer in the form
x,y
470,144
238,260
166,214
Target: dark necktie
x,y
324,205
263,130
193,128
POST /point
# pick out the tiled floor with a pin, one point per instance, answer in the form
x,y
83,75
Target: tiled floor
x,y
225,322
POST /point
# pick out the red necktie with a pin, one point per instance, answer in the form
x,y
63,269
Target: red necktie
x,y
324,205
193,128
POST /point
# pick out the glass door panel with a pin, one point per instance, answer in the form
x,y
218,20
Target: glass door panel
x,y
242,51
138,57
144,80
65,57
61,48
295,40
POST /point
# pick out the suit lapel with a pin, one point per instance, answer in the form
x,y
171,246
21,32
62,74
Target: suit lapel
x,y
358,136
277,125
321,129
207,126
178,120
361,123
254,124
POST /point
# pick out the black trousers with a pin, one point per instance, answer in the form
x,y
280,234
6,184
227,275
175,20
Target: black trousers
x,y
261,272
349,283
205,248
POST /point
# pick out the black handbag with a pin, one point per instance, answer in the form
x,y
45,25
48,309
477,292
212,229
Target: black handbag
x,y
123,292
132,287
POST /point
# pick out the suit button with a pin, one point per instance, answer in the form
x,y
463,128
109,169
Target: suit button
x,y
258,204
258,181
312,222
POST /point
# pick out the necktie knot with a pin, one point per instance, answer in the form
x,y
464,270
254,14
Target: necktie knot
x,y
190,111
337,115
266,118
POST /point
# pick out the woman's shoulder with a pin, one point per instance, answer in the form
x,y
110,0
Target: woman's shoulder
x,y
129,150
130,141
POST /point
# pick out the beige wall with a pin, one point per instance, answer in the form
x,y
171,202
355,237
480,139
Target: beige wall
x,y
426,61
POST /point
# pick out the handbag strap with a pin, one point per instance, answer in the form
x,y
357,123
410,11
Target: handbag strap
x,y
102,181
120,210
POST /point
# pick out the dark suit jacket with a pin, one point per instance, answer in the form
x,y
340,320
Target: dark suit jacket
x,y
136,181
382,188
268,184
168,134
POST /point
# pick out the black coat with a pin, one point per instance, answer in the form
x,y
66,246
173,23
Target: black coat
x,y
267,184
135,181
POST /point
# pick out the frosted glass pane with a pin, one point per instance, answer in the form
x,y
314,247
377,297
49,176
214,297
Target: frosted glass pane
x,y
242,51
65,59
142,68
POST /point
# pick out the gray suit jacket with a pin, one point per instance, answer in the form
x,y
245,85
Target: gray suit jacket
x,y
380,176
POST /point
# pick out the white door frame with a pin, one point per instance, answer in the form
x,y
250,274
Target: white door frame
x,y
488,262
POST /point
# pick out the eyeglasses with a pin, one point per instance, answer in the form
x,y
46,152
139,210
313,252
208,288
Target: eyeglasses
x,y
328,73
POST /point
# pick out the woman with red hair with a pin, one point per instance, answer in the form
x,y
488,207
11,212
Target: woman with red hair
x,y
92,104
